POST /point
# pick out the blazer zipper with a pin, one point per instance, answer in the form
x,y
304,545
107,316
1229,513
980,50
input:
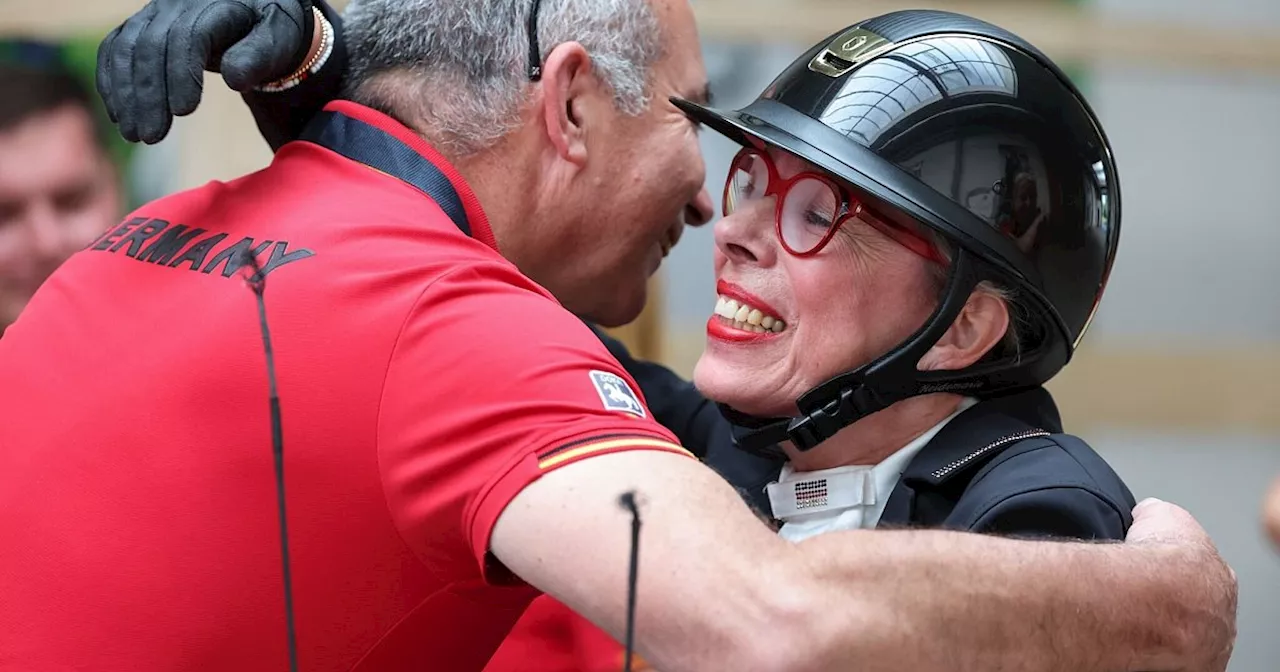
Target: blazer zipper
x,y
1021,436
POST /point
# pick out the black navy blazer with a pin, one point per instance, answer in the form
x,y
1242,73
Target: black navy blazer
x,y
1004,466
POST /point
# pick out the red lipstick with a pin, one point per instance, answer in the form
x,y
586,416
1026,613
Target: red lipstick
x,y
722,329
719,329
731,291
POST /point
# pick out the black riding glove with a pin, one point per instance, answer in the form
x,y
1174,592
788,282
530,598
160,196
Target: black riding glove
x,y
151,67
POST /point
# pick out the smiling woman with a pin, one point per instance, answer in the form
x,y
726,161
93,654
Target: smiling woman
x,y
911,246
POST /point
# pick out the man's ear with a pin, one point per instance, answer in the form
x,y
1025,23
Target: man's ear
x,y
567,82
981,324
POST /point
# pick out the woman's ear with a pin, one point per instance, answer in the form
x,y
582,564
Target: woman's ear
x,y
566,81
981,324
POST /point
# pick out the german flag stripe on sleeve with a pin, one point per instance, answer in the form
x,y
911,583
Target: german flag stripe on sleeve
x,y
601,444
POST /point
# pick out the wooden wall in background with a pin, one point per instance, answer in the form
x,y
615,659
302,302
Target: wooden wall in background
x,y
645,337
1205,388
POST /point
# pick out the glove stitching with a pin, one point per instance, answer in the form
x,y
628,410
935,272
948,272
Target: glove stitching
x,y
300,26
130,93
209,7
190,37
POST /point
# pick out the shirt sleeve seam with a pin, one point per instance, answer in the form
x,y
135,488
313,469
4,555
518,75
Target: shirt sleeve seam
x,y
626,442
625,439
377,427
487,488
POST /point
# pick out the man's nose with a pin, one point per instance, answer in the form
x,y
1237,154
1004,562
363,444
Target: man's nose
x,y
47,234
699,211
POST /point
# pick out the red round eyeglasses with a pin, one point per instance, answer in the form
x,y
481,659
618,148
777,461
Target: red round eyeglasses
x,y
810,207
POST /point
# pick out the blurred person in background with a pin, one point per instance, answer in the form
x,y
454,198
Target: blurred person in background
x,y
58,186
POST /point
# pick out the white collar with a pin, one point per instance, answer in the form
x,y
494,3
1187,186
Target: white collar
x,y
849,497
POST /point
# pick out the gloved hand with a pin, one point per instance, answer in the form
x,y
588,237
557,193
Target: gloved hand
x,y
151,67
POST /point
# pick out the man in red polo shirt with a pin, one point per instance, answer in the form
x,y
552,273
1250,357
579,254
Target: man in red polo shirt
x,y
413,414
453,437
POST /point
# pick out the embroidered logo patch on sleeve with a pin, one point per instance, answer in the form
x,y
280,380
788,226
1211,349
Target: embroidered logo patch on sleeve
x,y
616,393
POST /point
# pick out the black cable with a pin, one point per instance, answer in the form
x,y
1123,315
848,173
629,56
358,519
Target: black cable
x,y
258,283
628,501
535,54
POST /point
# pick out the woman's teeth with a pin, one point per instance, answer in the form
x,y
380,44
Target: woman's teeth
x,y
747,318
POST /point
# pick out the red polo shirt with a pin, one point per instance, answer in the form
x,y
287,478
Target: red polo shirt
x,y
423,383
552,638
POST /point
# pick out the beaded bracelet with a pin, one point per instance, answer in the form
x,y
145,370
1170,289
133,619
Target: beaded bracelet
x,y
313,65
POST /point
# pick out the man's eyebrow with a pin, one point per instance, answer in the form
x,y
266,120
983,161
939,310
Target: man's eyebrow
x,y
702,96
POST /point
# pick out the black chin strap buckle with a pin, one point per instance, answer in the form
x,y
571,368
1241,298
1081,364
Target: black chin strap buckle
x,y
810,430
820,419
823,422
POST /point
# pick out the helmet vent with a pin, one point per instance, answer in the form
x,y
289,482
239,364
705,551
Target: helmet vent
x,y
847,51
833,62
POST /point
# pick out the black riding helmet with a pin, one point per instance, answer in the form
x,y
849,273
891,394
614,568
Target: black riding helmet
x,y
947,121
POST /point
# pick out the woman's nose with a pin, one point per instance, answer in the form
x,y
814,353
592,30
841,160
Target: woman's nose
x,y
746,234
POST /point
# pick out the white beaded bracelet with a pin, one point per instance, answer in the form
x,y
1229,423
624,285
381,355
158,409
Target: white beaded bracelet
x,y
313,65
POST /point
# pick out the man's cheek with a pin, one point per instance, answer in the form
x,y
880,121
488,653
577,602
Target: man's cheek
x,y
86,226
11,250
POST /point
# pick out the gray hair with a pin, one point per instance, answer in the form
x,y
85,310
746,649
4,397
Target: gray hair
x,y
1010,346
457,69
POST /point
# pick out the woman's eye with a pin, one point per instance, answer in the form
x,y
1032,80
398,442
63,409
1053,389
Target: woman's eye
x,y
817,218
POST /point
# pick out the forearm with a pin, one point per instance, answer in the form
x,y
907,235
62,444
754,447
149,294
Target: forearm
x,y
282,116
712,592
719,591
958,601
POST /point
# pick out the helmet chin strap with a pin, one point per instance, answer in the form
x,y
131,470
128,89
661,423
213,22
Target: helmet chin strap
x,y
854,395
